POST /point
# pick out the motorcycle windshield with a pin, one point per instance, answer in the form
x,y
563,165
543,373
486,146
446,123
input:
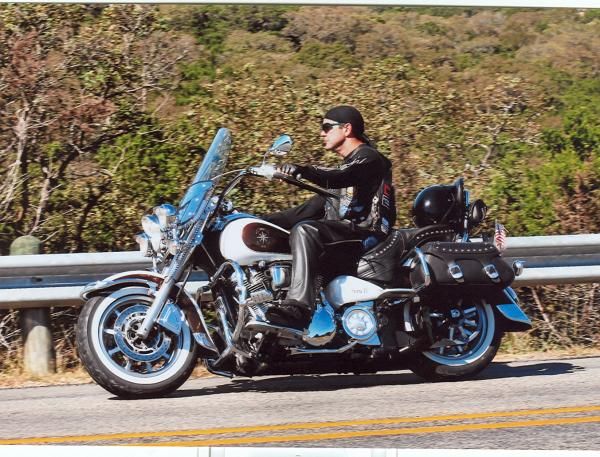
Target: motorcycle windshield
x,y
206,177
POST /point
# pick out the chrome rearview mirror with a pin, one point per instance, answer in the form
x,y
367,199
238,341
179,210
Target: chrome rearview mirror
x,y
281,146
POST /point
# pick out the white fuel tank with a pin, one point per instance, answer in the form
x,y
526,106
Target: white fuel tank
x,y
250,240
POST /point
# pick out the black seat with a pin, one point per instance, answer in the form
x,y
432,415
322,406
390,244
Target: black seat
x,y
415,237
382,263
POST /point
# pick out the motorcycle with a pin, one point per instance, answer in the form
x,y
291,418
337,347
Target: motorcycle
x,y
426,298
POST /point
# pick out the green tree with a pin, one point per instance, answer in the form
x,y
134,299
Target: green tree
x,y
72,79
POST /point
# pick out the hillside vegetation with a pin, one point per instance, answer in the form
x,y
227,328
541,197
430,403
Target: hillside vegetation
x,y
106,111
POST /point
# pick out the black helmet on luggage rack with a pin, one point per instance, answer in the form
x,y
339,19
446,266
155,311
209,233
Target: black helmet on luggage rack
x,y
439,205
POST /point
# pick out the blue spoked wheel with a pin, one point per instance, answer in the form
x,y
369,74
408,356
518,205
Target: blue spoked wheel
x,y
466,339
121,362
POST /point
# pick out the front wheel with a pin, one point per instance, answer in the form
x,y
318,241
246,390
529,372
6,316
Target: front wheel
x,y
466,341
122,363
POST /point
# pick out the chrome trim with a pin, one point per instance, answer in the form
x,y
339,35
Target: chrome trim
x,y
242,299
155,309
226,330
203,340
408,326
166,214
511,294
465,236
229,337
239,276
322,327
424,267
456,272
260,296
257,311
239,325
518,267
492,273
371,338
389,293
150,280
512,312
280,276
300,351
281,146
135,277
171,318
283,332
143,240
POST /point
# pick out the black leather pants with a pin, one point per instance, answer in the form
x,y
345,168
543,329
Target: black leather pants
x,y
309,241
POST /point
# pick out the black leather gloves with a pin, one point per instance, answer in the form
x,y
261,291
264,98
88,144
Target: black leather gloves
x,y
290,169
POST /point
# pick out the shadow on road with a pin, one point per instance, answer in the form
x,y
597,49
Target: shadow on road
x,y
304,383
504,370
323,383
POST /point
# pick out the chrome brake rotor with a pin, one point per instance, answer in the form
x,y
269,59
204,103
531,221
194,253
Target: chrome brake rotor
x,y
148,350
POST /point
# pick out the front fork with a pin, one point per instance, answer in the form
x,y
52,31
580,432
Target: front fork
x,y
156,308
162,295
172,274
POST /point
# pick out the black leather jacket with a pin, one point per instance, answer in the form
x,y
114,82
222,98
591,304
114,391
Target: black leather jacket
x,y
356,180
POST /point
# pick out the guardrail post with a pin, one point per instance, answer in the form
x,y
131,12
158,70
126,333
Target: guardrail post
x,y
38,348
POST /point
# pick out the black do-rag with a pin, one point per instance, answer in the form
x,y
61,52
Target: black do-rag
x,y
349,115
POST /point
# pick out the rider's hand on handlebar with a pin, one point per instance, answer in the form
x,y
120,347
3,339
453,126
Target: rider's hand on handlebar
x,y
290,169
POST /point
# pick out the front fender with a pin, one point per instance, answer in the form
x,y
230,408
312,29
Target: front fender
x,y
152,281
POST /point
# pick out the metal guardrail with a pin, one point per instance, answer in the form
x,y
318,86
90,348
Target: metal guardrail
x,y
34,281
561,259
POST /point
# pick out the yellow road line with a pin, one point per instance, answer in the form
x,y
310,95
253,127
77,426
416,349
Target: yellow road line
x,y
296,426
387,432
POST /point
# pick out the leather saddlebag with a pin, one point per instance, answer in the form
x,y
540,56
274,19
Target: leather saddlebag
x,y
463,264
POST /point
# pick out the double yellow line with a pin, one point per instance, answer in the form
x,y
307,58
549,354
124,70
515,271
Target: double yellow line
x,y
335,424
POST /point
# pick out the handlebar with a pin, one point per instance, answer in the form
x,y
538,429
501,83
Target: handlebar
x,y
270,172
304,185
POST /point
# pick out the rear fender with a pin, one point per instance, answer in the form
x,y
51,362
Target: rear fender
x,y
152,282
507,310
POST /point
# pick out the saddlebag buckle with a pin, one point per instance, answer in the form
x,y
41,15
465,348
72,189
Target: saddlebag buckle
x,y
456,272
492,273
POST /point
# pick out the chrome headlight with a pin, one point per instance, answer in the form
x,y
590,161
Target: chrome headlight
x,y
144,241
152,228
359,322
166,214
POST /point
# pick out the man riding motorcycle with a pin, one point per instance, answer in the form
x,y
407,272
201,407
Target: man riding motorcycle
x,y
364,212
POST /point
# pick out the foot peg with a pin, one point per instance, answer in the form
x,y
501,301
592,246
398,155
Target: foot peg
x,y
283,332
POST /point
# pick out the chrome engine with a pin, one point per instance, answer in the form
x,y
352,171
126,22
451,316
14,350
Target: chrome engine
x,y
263,282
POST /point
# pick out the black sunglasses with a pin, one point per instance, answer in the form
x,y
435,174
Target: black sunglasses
x,y
327,127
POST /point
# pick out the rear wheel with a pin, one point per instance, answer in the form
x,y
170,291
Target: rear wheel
x,y
123,363
466,339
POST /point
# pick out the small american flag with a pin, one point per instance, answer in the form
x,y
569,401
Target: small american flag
x,y
500,237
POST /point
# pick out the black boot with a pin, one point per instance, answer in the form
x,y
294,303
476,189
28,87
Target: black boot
x,y
290,314
295,311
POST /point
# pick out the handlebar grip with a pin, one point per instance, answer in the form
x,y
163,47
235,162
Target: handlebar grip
x,y
284,177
